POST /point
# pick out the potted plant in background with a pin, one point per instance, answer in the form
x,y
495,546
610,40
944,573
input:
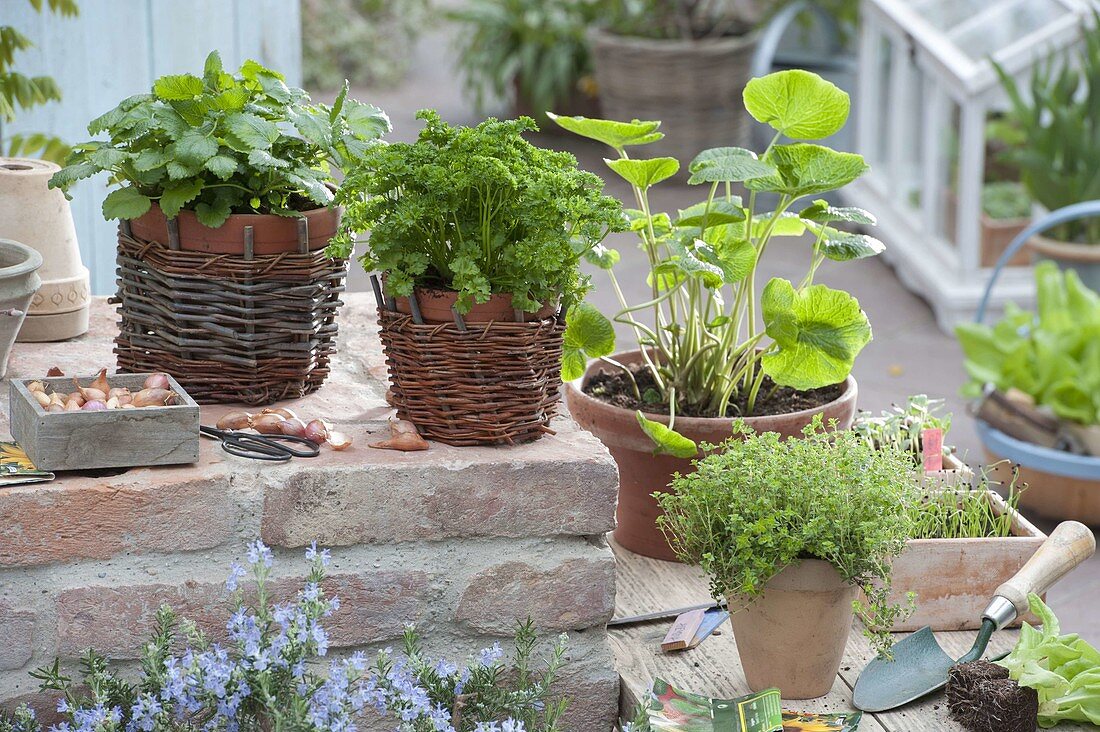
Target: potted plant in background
x,y
681,61
789,532
477,229
701,358
902,428
1049,361
532,52
1060,153
229,175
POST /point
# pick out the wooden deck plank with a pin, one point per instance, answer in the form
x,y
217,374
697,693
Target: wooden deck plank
x,y
648,585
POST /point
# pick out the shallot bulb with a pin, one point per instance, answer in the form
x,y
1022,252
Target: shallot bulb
x,y
40,397
153,397
268,424
293,427
94,405
90,393
284,413
317,431
404,437
235,421
100,383
36,387
156,381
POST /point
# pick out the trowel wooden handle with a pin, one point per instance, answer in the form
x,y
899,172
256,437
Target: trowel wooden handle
x,y
1067,546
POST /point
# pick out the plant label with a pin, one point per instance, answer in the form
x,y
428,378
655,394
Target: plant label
x,y
932,445
683,630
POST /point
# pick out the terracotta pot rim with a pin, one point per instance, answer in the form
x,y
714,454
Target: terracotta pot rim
x,y
30,260
1067,250
674,45
701,423
27,166
190,213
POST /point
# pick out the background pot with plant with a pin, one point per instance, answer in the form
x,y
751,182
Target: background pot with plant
x,y
1058,117
229,175
531,52
681,61
701,357
902,428
478,235
789,532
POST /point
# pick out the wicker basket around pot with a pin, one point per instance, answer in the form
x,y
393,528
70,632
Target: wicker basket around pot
x,y
1082,258
693,87
484,383
641,473
229,322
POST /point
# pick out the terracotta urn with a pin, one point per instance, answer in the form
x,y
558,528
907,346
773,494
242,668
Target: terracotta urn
x,y
19,282
641,473
34,215
793,636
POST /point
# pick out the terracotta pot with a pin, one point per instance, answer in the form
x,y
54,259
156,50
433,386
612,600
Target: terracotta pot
x,y
996,234
1083,258
793,636
1049,495
34,215
18,284
271,234
641,473
435,307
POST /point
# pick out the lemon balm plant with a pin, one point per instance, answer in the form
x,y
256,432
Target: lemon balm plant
x,y
703,353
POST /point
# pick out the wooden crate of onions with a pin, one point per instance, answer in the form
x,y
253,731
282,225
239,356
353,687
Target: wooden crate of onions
x,y
117,421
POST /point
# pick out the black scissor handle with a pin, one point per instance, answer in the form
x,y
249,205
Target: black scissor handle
x,y
276,448
285,442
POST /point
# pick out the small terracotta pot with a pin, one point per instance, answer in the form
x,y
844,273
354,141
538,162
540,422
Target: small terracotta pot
x,y
1083,258
18,283
435,307
793,636
271,234
641,473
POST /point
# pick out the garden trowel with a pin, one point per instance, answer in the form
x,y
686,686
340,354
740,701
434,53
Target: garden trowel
x,y
919,666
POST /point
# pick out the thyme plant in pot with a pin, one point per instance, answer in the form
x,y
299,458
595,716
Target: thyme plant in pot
x,y
683,61
789,532
701,358
224,197
479,235
1060,124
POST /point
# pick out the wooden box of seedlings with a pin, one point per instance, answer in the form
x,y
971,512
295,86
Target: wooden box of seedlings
x,y
156,428
954,579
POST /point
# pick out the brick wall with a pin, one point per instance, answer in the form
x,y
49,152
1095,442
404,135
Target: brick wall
x,y
461,541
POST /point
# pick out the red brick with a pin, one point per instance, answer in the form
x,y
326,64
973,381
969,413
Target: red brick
x,y
576,594
551,491
116,621
16,638
86,519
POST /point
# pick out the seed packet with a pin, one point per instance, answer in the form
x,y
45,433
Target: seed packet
x,y
16,467
674,710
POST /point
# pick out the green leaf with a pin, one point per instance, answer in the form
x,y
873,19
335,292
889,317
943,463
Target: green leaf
x,y
176,196
177,87
721,211
799,104
151,159
844,246
804,169
108,157
178,170
588,334
245,132
818,333
222,166
644,173
313,126
194,148
734,255
666,441
687,258
366,121
264,160
821,212
614,134
70,174
731,164
602,257
212,68
233,99
125,203
213,214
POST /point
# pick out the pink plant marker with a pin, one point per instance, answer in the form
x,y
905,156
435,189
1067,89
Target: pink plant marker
x,y
932,442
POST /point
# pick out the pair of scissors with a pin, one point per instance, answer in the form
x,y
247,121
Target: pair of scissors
x,y
276,448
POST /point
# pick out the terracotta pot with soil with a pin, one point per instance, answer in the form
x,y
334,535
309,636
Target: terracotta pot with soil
x,y
641,473
793,636
436,303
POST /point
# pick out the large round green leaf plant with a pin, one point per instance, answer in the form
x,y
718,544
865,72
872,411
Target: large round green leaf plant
x,y
697,332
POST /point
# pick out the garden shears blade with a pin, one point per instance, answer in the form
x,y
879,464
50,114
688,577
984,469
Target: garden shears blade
x,y
919,666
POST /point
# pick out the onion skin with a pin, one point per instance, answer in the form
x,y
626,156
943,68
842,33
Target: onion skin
x,y
339,441
404,437
100,382
284,413
156,381
235,421
93,405
153,397
268,424
54,371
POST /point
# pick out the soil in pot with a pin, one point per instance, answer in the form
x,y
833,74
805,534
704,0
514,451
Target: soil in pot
x,y
615,388
793,636
641,473
982,698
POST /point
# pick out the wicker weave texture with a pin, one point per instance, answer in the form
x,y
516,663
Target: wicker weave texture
x,y
229,329
693,87
496,383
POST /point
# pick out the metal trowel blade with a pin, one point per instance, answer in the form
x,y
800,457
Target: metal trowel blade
x,y
919,667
